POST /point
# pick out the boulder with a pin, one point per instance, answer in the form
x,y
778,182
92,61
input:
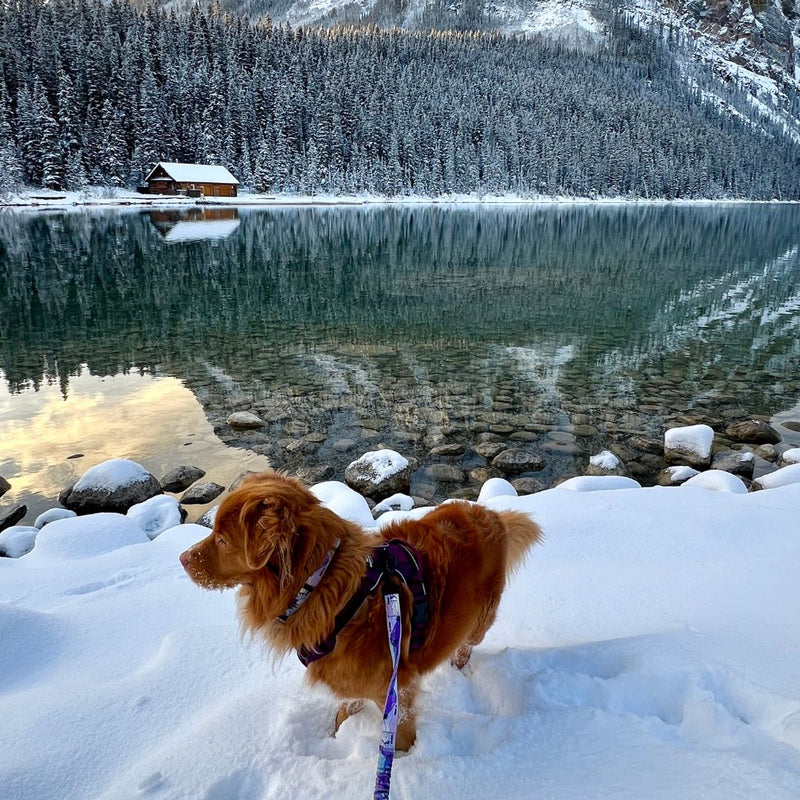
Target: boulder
x,y
752,431
202,493
790,456
516,459
245,421
605,463
675,476
379,474
207,520
781,477
689,444
111,486
4,485
742,464
181,478
527,485
11,516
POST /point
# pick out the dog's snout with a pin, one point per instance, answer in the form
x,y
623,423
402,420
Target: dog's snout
x,y
185,556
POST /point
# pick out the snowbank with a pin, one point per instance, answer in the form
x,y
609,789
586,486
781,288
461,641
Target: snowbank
x,y
648,649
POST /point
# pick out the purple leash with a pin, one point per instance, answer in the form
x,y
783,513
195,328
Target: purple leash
x,y
389,730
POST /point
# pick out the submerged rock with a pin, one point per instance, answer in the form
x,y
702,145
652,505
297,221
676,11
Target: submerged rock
x,y
752,431
516,460
245,420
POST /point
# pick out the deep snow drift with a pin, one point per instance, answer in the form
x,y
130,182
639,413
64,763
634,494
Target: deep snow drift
x,y
648,649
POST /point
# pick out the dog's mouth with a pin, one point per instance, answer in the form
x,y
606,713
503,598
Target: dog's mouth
x,y
194,562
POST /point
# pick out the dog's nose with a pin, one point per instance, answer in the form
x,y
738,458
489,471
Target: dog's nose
x,y
185,558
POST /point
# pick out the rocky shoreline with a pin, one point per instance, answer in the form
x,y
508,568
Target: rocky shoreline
x,y
389,480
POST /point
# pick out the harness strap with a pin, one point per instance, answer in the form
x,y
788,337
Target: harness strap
x,y
394,560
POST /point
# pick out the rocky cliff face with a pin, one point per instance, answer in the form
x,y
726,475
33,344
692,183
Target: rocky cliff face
x,y
762,37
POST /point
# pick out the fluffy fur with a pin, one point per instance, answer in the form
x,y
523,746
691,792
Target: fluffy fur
x,y
271,533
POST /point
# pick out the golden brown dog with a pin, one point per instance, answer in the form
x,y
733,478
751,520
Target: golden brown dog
x,y
272,533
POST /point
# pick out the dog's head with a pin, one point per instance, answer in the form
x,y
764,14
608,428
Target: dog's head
x,y
259,531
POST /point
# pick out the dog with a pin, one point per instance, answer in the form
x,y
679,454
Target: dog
x,y
273,539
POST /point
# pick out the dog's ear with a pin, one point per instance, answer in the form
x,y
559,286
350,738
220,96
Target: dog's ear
x,y
269,536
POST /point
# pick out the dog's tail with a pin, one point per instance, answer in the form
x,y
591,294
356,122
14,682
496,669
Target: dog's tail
x,y
521,534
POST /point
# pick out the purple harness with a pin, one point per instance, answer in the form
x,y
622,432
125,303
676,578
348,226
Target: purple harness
x,y
389,564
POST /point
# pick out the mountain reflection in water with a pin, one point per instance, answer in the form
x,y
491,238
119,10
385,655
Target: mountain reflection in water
x,y
419,323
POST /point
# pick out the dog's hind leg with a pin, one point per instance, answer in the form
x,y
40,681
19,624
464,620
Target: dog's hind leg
x,y
461,657
346,709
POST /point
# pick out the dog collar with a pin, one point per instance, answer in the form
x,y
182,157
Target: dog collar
x,y
310,584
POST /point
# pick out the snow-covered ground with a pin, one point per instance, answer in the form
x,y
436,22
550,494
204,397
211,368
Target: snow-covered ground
x,y
648,649
114,198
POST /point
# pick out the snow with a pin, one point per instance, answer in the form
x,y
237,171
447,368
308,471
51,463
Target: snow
x,y
716,480
397,502
648,648
112,474
781,477
791,456
156,515
381,464
340,498
17,540
680,474
605,460
85,537
598,483
51,515
195,173
496,487
695,439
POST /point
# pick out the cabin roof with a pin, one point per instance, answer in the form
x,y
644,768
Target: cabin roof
x,y
194,173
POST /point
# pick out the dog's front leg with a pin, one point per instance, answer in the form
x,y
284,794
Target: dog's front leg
x,y
407,715
346,709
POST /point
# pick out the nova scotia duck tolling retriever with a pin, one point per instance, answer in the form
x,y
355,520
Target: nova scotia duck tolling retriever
x,y
311,582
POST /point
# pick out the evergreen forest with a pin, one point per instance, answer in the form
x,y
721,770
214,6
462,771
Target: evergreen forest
x,y
95,93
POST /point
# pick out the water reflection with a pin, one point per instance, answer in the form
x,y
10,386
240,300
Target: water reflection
x,y
195,224
403,325
50,440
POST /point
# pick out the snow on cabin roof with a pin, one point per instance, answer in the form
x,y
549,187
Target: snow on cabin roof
x,y
195,173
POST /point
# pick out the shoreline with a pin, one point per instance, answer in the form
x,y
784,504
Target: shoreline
x,y
122,199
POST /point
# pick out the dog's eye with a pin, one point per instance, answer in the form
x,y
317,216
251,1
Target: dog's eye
x,y
222,541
